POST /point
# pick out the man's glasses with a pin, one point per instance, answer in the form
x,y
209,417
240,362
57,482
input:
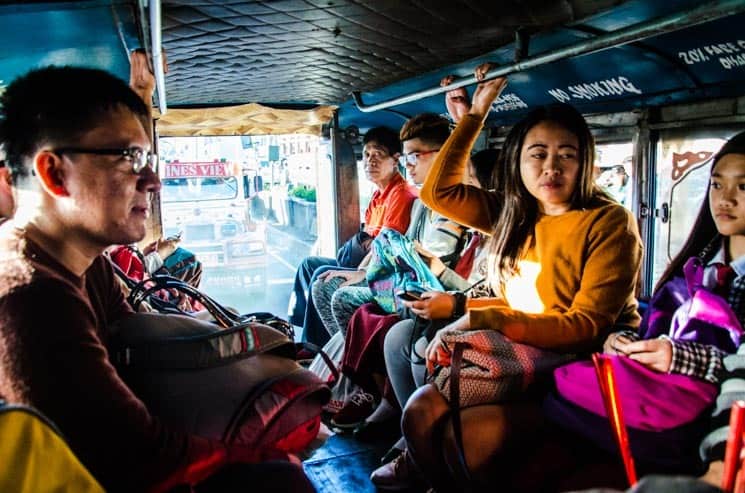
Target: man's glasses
x,y
413,157
139,158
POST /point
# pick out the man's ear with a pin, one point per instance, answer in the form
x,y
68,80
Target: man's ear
x,y
48,169
396,156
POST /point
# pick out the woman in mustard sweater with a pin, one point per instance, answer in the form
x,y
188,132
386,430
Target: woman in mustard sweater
x,y
563,265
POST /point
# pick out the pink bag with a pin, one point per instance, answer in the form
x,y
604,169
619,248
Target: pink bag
x,y
650,400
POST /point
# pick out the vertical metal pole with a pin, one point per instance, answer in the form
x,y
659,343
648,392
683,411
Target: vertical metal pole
x,y
645,198
157,50
334,137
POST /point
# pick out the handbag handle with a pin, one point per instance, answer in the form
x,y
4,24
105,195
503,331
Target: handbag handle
x,y
609,392
734,446
315,349
141,291
456,360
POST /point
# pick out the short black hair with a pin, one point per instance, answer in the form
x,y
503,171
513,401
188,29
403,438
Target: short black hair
x,y
487,168
431,128
385,137
56,105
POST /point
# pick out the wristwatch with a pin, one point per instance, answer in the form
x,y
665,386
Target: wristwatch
x,y
460,303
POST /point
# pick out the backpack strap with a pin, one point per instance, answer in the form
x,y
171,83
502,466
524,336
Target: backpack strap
x,y
204,350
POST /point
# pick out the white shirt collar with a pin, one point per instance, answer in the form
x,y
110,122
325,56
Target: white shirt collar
x,y
738,265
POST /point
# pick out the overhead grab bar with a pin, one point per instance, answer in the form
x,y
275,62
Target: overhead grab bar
x,y
704,13
157,52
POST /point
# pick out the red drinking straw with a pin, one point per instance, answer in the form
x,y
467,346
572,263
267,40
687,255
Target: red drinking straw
x,y
609,391
734,445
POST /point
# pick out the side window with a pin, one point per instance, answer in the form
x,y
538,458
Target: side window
x,y
247,208
613,170
682,176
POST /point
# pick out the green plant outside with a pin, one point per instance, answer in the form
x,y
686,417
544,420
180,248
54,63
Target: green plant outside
x,y
305,193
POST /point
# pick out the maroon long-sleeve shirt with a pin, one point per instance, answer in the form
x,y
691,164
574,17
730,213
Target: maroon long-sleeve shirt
x,y
53,357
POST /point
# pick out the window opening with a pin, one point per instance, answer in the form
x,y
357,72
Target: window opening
x,y
246,206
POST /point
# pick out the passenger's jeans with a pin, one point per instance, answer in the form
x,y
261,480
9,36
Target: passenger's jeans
x,y
405,373
300,311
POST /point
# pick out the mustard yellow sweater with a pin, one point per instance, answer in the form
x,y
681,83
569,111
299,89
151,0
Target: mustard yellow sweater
x,y
576,280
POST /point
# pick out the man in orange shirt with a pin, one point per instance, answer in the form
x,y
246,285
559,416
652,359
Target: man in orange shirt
x,y
390,206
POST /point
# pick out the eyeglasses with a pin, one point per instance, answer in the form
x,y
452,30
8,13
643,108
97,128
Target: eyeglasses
x,y
413,157
139,158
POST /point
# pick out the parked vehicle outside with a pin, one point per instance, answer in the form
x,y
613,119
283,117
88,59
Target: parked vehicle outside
x,y
208,203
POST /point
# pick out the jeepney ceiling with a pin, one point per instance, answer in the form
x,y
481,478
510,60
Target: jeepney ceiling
x,y
291,55
318,51
294,54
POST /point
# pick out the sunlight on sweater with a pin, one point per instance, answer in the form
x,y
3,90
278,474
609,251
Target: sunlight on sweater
x,y
521,292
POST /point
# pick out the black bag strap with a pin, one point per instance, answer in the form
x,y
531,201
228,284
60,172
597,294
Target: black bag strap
x,y
142,290
452,258
159,304
315,349
419,330
273,321
456,361
424,328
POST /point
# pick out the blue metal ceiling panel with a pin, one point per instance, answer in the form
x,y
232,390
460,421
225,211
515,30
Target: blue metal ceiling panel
x,y
706,60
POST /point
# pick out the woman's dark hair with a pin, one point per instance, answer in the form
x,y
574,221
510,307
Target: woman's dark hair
x,y
519,213
55,106
704,230
487,168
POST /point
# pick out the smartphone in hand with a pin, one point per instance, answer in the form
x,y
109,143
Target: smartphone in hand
x,y
177,236
410,295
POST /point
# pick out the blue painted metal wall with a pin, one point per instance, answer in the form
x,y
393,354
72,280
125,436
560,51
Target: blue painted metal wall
x,y
88,33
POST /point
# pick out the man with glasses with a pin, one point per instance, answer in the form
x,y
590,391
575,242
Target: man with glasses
x,y
84,176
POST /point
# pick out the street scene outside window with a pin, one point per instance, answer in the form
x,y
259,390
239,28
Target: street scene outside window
x,y
613,170
246,206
